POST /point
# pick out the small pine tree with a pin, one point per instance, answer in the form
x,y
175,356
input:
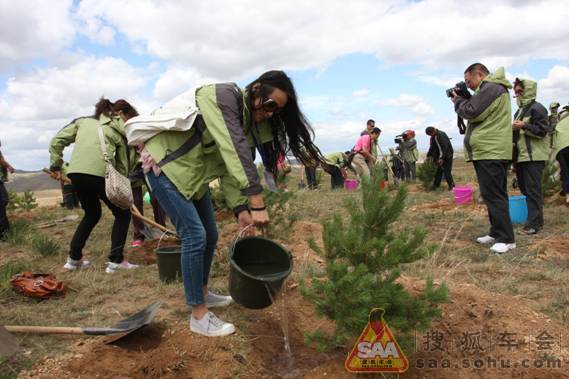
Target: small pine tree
x,y
426,174
550,183
282,217
27,201
363,259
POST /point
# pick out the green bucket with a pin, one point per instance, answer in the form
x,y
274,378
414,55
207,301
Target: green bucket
x,y
257,266
169,265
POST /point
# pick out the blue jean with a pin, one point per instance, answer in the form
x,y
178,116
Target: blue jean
x,y
195,224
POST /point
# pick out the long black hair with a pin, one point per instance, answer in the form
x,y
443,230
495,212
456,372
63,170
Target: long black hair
x,y
291,130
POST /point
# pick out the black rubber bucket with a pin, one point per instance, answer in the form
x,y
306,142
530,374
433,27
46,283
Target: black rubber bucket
x,y
258,266
169,264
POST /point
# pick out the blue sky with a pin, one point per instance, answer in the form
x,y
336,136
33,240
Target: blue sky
x,y
388,60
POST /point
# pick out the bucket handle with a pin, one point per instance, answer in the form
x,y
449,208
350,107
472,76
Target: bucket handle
x,y
160,240
240,234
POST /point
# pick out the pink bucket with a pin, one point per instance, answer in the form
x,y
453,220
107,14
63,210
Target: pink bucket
x,y
351,185
462,194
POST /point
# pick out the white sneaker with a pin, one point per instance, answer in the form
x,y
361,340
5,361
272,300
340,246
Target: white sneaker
x,y
124,265
214,300
486,239
501,248
73,264
211,326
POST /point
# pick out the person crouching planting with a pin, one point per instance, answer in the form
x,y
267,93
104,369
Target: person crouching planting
x,y
179,165
87,173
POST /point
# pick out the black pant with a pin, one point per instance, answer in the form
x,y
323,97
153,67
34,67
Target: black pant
x,y
409,172
492,178
159,214
445,168
310,177
563,159
336,178
4,223
91,190
529,179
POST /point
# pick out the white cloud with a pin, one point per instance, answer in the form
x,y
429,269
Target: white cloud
x,y
241,39
176,80
364,92
35,106
555,86
33,29
414,103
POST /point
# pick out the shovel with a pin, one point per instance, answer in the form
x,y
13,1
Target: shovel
x,y
124,327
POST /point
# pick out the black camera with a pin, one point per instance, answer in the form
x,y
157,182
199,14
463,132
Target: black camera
x,y
460,89
399,138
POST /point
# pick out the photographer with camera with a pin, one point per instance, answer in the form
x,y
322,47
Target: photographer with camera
x,y
488,144
409,153
531,150
441,153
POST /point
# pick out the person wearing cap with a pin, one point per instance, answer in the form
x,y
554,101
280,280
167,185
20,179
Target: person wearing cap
x,y
5,168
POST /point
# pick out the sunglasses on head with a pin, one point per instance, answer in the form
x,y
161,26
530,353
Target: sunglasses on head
x,y
270,106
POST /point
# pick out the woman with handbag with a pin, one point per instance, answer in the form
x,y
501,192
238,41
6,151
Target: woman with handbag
x,y
218,145
99,147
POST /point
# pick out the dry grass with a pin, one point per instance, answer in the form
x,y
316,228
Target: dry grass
x,y
97,299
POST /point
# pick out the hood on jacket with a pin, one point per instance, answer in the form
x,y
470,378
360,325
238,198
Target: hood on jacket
x,y
499,77
530,92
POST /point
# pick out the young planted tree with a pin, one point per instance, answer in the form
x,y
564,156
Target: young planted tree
x,y
550,183
426,174
363,259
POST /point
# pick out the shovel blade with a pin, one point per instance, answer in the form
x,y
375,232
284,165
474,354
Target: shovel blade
x,y
8,344
130,324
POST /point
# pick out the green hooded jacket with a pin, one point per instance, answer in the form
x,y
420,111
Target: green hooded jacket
x,y
224,151
87,157
409,152
561,136
336,159
530,143
489,114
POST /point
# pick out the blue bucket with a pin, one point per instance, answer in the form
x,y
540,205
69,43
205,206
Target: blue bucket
x,y
518,209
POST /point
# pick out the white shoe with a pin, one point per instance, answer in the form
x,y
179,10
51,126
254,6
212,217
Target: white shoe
x,y
211,326
124,265
501,248
486,239
73,264
214,300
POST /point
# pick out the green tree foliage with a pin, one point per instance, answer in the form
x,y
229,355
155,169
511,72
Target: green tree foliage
x,y
426,174
550,183
363,259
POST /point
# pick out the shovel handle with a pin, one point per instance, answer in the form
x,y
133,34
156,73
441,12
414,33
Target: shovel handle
x,y
136,213
44,329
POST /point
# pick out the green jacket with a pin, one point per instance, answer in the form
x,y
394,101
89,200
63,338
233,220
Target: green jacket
x,y
530,143
489,114
409,150
561,136
336,159
224,151
87,157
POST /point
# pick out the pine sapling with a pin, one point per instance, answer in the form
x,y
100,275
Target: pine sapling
x,y
363,256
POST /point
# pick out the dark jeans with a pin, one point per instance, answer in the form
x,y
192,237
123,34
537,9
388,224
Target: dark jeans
x,y
159,214
310,177
91,191
529,179
336,178
492,179
4,223
195,224
563,159
446,169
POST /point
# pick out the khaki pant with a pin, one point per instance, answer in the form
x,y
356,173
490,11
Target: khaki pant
x,y
361,166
